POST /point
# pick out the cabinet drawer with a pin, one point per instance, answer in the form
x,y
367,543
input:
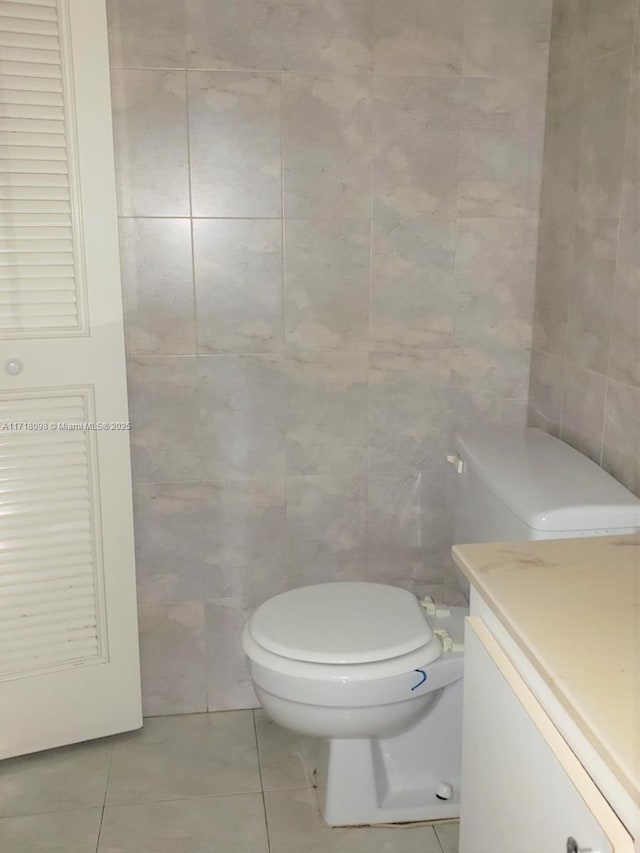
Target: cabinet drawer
x,y
523,789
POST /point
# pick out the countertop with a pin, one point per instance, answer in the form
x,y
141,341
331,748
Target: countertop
x,y
573,607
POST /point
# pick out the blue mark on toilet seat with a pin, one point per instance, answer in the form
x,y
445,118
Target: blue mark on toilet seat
x,y
422,680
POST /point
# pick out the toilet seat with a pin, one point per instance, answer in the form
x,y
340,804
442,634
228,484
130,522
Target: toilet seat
x,y
339,673
342,623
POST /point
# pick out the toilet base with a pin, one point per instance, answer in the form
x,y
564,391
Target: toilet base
x,y
394,780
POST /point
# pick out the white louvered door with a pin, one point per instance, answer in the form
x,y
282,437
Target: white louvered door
x,y
69,668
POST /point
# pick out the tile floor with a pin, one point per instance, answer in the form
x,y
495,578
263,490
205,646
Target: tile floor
x,y
231,782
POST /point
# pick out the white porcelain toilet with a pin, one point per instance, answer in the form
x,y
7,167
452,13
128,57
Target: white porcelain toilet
x,y
377,674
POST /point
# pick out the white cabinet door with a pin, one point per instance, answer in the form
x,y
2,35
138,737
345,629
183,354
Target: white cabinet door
x,y
522,787
69,667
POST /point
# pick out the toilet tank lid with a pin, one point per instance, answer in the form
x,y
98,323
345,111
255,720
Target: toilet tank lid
x,y
341,622
545,482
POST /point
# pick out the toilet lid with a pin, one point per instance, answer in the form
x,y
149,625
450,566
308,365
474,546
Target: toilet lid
x,y
341,623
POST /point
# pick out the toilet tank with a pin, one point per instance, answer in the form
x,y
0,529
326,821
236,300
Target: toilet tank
x,y
519,484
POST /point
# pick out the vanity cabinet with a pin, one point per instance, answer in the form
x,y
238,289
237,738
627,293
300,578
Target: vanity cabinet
x,y
523,789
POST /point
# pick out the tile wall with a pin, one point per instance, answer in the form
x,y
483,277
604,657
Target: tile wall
x,y
585,378
328,228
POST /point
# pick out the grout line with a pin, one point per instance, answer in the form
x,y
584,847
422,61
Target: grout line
x,y
370,349
283,304
212,218
635,46
184,799
366,72
440,844
264,803
104,801
100,829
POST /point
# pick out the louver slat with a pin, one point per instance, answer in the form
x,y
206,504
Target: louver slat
x,y
41,11
39,287
30,41
49,611
24,25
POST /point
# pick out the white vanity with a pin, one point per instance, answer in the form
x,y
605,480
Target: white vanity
x,y
551,740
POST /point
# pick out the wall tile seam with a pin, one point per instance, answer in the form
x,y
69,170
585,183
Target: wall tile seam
x,y
365,219
565,360
584,63
634,47
337,72
570,296
340,73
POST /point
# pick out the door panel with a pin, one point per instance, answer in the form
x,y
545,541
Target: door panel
x,y
69,667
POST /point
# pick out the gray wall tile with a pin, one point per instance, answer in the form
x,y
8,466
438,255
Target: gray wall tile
x,y
228,677
416,138
157,286
172,656
594,266
405,523
163,403
553,285
545,392
327,283
238,278
621,451
326,412
504,372
327,35
150,132
242,418
507,37
468,408
564,109
234,137
583,406
569,24
624,352
151,465
408,413
147,33
326,523
326,145
495,275
610,25
245,523
587,310
422,37
170,553
412,283
602,140
245,34
252,584
630,224
501,149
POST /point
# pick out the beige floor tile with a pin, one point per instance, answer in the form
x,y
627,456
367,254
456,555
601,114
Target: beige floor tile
x,y
63,832
72,777
448,836
221,824
285,757
295,826
195,755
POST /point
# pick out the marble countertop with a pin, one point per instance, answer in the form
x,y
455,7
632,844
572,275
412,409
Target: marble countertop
x,y
573,608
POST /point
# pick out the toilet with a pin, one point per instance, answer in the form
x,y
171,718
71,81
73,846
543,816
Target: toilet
x,y
376,673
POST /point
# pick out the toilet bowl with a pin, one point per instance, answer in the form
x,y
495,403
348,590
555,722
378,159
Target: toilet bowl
x,y
363,667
